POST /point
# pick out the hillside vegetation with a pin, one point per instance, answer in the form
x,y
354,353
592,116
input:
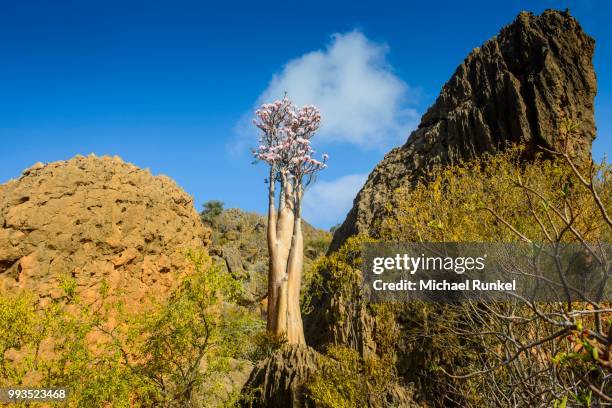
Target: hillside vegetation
x,y
471,354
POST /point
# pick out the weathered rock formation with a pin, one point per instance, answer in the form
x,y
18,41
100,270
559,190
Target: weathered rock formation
x,y
279,381
96,220
517,88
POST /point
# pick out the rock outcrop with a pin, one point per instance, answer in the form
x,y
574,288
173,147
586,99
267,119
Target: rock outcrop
x,y
517,88
279,380
99,221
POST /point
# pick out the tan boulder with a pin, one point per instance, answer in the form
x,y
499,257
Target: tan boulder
x,y
96,220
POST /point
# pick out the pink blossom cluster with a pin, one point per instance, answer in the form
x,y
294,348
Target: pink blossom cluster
x,y
285,139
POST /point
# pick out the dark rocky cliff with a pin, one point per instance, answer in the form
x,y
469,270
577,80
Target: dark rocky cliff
x,y
517,88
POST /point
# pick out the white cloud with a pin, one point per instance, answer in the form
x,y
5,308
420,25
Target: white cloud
x,y
361,100
326,203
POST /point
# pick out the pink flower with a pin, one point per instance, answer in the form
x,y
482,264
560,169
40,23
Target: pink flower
x,y
285,138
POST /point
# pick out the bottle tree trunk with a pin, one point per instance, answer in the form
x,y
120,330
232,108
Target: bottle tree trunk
x,y
280,231
271,237
286,249
289,316
295,327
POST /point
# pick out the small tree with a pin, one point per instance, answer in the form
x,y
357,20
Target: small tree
x,y
284,145
211,210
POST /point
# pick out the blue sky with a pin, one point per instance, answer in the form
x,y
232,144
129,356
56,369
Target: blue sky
x,y
171,85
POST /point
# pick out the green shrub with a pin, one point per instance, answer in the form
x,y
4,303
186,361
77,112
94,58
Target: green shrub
x,y
347,380
211,210
175,354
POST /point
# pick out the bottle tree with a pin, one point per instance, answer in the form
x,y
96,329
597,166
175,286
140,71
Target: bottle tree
x,y
285,145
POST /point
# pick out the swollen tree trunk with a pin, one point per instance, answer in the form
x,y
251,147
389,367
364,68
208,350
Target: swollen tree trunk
x,y
286,249
295,329
294,326
278,248
271,236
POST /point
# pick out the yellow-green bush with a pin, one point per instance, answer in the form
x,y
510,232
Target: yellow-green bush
x,y
174,354
464,203
347,380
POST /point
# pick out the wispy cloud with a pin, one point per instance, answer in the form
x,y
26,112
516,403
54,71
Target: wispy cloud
x,y
361,99
327,202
